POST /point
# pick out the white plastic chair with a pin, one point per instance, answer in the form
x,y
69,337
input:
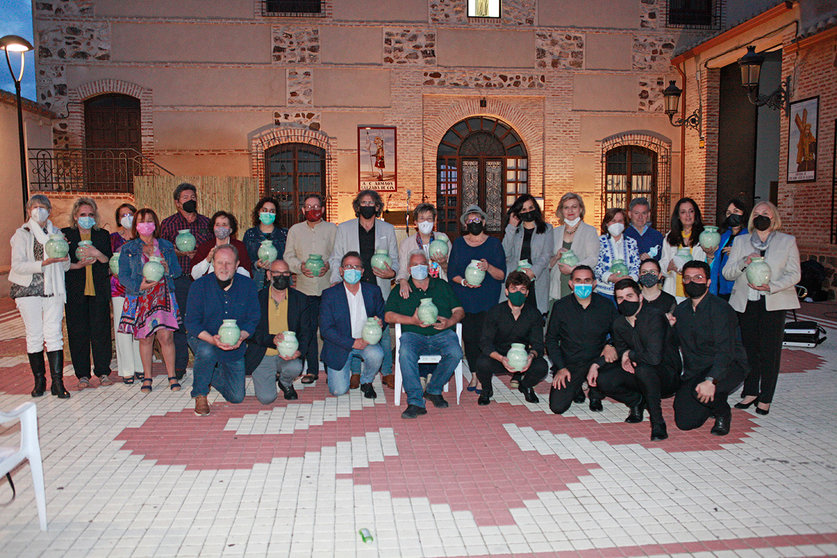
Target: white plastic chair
x,y
425,359
30,449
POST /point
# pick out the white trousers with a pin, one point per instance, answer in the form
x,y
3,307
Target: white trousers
x,y
42,318
127,348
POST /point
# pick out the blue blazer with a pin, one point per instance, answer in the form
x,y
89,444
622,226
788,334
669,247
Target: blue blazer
x,y
130,265
335,326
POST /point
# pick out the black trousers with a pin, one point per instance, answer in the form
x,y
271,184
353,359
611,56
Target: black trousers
x,y
689,413
311,354
181,347
762,331
561,399
471,332
651,382
88,330
488,367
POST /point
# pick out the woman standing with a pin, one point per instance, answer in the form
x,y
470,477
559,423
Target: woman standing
x,y
39,292
686,226
614,245
735,223
476,299
424,216
150,308
88,294
528,237
224,226
573,234
761,310
264,228
127,348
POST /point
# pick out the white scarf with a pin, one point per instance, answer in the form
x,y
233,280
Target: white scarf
x,y
54,273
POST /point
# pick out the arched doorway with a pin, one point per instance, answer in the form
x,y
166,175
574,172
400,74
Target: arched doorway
x,y
113,142
480,160
293,170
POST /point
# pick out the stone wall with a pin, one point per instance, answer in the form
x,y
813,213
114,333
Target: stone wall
x,y
410,47
300,88
480,80
559,50
296,45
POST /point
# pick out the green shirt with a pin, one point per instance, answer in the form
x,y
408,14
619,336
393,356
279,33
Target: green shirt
x,y
438,290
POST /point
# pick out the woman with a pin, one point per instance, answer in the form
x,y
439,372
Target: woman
x,y
686,226
224,226
424,216
573,234
734,223
88,294
529,237
127,348
264,228
761,310
476,300
150,308
614,245
38,289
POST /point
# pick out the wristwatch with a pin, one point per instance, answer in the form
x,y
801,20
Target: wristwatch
x,y
711,379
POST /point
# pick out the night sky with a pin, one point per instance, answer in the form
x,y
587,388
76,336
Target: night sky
x,y
16,19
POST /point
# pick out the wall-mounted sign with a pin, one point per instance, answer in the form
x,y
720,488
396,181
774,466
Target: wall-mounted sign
x,y
484,8
802,140
376,153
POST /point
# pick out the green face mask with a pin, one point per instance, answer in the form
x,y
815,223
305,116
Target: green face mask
x,y
267,218
517,298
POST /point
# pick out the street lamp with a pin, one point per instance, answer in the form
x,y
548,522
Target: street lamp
x,y
671,96
13,43
750,65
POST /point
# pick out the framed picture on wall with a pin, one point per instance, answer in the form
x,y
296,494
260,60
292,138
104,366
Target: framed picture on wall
x,y
484,8
377,165
802,140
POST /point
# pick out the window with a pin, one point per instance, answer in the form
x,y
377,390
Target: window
x,y
292,7
112,141
694,13
631,172
293,170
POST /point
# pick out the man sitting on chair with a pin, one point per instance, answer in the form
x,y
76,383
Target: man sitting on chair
x,y
344,309
418,338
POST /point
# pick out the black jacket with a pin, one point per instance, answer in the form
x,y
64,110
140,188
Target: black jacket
x,y
651,340
74,278
300,320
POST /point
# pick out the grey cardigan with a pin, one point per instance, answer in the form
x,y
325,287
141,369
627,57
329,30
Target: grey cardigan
x,y
586,247
782,256
541,249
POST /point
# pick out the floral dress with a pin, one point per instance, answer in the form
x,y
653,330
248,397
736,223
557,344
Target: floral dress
x,y
152,309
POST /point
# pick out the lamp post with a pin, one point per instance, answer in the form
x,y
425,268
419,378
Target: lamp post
x,y
671,96
14,43
750,65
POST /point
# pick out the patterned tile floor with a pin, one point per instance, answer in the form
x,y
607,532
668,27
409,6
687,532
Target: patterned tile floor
x,y
129,474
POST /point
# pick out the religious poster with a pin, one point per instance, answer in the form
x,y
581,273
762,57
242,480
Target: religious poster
x,y
377,166
802,140
483,8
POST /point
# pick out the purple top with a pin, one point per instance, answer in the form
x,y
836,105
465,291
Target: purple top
x,y
116,242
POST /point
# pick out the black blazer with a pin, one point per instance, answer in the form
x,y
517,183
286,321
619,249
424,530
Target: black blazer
x,y
300,320
74,278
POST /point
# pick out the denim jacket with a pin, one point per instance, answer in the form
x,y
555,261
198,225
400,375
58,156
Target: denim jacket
x,y
130,265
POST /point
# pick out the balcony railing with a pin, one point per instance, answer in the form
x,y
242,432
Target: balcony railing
x,y
89,170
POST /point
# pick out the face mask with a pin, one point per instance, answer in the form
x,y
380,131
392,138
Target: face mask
x,y
628,307
419,272
127,221
648,280
146,229
583,291
368,211
694,290
734,220
517,298
615,229
224,283
267,218
39,214
572,222
86,222
761,222
222,232
527,216
281,282
190,206
475,228
313,215
425,227
351,276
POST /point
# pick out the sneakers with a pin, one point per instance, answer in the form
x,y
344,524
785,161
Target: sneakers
x,y
201,406
412,411
437,400
368,391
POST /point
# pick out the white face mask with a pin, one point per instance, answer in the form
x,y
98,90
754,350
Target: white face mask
x,y
126,221
615,229
425,227
39,214
572,222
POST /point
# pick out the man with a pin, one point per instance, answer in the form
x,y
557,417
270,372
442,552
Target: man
x,y
512,321
343,312
186,217
650,362
222,295
649,241
282,309
312,236
714,361
650,273
577,335
418,338
365,235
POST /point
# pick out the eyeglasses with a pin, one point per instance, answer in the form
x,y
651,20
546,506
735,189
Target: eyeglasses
x,y
473,220
694,278
317,206
358,267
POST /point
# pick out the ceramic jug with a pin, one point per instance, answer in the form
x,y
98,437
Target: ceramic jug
x,y
185,241
438,248
153,270
229,332
288,345
758,272
380,257
82,245
710,238
315,264
114,264
517,356
57,246
523,264
372,332
427,311
569,258
618,267
473,274
267,251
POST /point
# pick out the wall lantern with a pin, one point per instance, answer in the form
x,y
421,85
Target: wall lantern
x,y
750,65
671,95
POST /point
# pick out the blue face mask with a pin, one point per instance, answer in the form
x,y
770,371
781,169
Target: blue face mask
x,y
86,222
419,272
583,291
351,276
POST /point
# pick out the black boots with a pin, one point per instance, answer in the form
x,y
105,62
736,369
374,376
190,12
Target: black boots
x,y
56,370
36,363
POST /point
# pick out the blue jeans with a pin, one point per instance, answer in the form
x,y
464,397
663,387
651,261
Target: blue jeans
x,y
386,364
372,356
413,345
226,377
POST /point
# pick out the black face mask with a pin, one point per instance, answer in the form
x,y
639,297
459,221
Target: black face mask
x,y
190,206
628,307
527,216
224,284
281,282
734,220
647,280
694,290
761,222
475,228
368,211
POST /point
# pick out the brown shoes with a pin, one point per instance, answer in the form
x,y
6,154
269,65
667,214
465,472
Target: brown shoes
x,y
388,380
354,381
201,406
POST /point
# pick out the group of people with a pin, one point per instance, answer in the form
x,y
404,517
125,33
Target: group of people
x,y
635,315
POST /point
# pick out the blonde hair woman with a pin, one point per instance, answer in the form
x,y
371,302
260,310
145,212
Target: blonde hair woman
x,y
573,234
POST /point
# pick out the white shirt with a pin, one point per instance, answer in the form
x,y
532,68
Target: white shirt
x,y
357,311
